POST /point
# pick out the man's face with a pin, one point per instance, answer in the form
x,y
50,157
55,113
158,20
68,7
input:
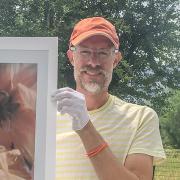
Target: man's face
x,y
93,61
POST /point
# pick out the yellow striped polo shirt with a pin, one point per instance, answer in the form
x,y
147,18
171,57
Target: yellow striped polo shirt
x,y
127,128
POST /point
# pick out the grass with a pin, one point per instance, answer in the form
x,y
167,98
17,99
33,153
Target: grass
x,y
170,169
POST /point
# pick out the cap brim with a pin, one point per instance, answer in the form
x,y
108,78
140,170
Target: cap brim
x,y
88,34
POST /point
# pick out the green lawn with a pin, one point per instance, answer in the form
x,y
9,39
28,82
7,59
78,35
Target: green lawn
x,y
170,168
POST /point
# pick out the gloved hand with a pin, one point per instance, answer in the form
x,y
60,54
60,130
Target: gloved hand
x,y
72,102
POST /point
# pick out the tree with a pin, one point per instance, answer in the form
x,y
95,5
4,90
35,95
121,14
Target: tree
x,y
170,124
148,31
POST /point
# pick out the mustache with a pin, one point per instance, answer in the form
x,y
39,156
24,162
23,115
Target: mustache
x,y
91,69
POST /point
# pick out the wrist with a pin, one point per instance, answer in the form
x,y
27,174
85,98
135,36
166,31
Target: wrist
x,y
86,130
89,136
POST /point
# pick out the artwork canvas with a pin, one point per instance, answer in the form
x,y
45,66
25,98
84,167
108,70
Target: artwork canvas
x,y
28,76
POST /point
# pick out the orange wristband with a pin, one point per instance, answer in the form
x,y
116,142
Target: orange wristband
x,y
96,150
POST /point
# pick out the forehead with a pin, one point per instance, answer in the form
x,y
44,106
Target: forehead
x,y
97,41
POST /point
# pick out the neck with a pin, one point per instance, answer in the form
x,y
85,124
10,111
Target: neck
x,y
94,101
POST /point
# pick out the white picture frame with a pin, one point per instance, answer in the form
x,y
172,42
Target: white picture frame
x,y
42,51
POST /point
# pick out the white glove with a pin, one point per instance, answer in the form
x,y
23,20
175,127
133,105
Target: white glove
x,y
72,102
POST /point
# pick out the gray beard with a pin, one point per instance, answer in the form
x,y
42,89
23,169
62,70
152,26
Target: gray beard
x,y
94,87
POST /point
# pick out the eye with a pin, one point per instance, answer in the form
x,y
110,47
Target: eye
x,y
103,53
85,52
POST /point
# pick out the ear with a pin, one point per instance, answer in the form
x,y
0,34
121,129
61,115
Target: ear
x,y
118,58
70,56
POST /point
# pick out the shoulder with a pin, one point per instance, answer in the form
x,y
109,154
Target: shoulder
x,y
121,103
133,109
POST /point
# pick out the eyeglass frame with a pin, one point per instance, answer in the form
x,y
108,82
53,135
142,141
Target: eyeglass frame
x,y
92,50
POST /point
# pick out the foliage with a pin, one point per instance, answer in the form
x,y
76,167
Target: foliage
x,y
148,31
170,168
170,122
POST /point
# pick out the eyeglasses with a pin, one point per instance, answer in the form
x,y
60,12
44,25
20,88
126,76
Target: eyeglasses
x,y
87,53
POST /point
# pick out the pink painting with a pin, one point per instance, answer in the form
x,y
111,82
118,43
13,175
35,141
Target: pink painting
x,y
18,90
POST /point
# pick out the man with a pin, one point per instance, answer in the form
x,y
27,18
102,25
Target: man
x,y
100,136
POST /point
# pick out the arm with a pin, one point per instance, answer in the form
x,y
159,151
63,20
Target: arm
x,y
107,166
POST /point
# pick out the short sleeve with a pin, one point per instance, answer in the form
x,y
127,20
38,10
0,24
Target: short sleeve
x,y
147,139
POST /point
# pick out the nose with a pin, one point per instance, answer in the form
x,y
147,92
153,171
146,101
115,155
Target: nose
x,y
94,60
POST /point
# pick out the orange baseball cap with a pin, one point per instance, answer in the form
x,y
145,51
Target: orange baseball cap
x,y
93,26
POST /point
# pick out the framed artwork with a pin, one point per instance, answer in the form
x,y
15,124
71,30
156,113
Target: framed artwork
x,y
28,76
